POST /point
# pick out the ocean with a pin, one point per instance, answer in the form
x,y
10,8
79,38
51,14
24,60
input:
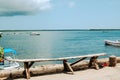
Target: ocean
x,y
60,43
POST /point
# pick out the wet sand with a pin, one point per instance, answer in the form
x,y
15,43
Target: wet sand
x,y
106,73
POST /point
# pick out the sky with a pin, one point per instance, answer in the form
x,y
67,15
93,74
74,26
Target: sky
x,y
59,14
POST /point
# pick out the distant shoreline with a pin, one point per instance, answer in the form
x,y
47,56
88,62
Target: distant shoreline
x,y
64,30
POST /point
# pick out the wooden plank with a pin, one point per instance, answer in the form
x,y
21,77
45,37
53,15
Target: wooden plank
x,y
77,61
55,59
31,64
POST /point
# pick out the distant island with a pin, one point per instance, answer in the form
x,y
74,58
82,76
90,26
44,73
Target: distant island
x,y
104,29
62,30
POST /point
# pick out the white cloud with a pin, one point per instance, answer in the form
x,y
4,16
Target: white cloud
x,y
71,4
22,7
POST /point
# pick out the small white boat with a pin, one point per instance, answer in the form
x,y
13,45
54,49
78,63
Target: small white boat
x,y
112,43
4,63
34,33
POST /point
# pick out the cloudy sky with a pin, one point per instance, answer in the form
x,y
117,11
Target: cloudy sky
x,y
59,14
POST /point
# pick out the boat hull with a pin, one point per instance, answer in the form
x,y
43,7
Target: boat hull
x,y
112,43
9,65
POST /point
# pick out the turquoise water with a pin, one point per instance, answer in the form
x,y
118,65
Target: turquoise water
x,y
54,44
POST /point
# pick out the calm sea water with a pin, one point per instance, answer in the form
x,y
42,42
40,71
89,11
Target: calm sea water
x,y
54,44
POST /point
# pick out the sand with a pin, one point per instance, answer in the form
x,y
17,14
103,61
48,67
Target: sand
x,y
106,73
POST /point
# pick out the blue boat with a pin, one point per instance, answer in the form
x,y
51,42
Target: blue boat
x,y
5,54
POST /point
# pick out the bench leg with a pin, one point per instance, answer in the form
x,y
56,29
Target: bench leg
x,y
27,71
67,66
93,62
96,66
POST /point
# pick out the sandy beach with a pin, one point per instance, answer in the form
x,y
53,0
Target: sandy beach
x,y
106,73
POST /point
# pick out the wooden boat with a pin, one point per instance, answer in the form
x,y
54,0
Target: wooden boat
x,y
112,43
4,64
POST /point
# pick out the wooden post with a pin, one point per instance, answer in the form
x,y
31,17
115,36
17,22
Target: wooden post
x,y
67,66
27,71
93,62
112,61
64,64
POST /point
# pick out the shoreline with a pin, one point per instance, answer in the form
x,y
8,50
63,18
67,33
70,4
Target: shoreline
x,y
106,73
